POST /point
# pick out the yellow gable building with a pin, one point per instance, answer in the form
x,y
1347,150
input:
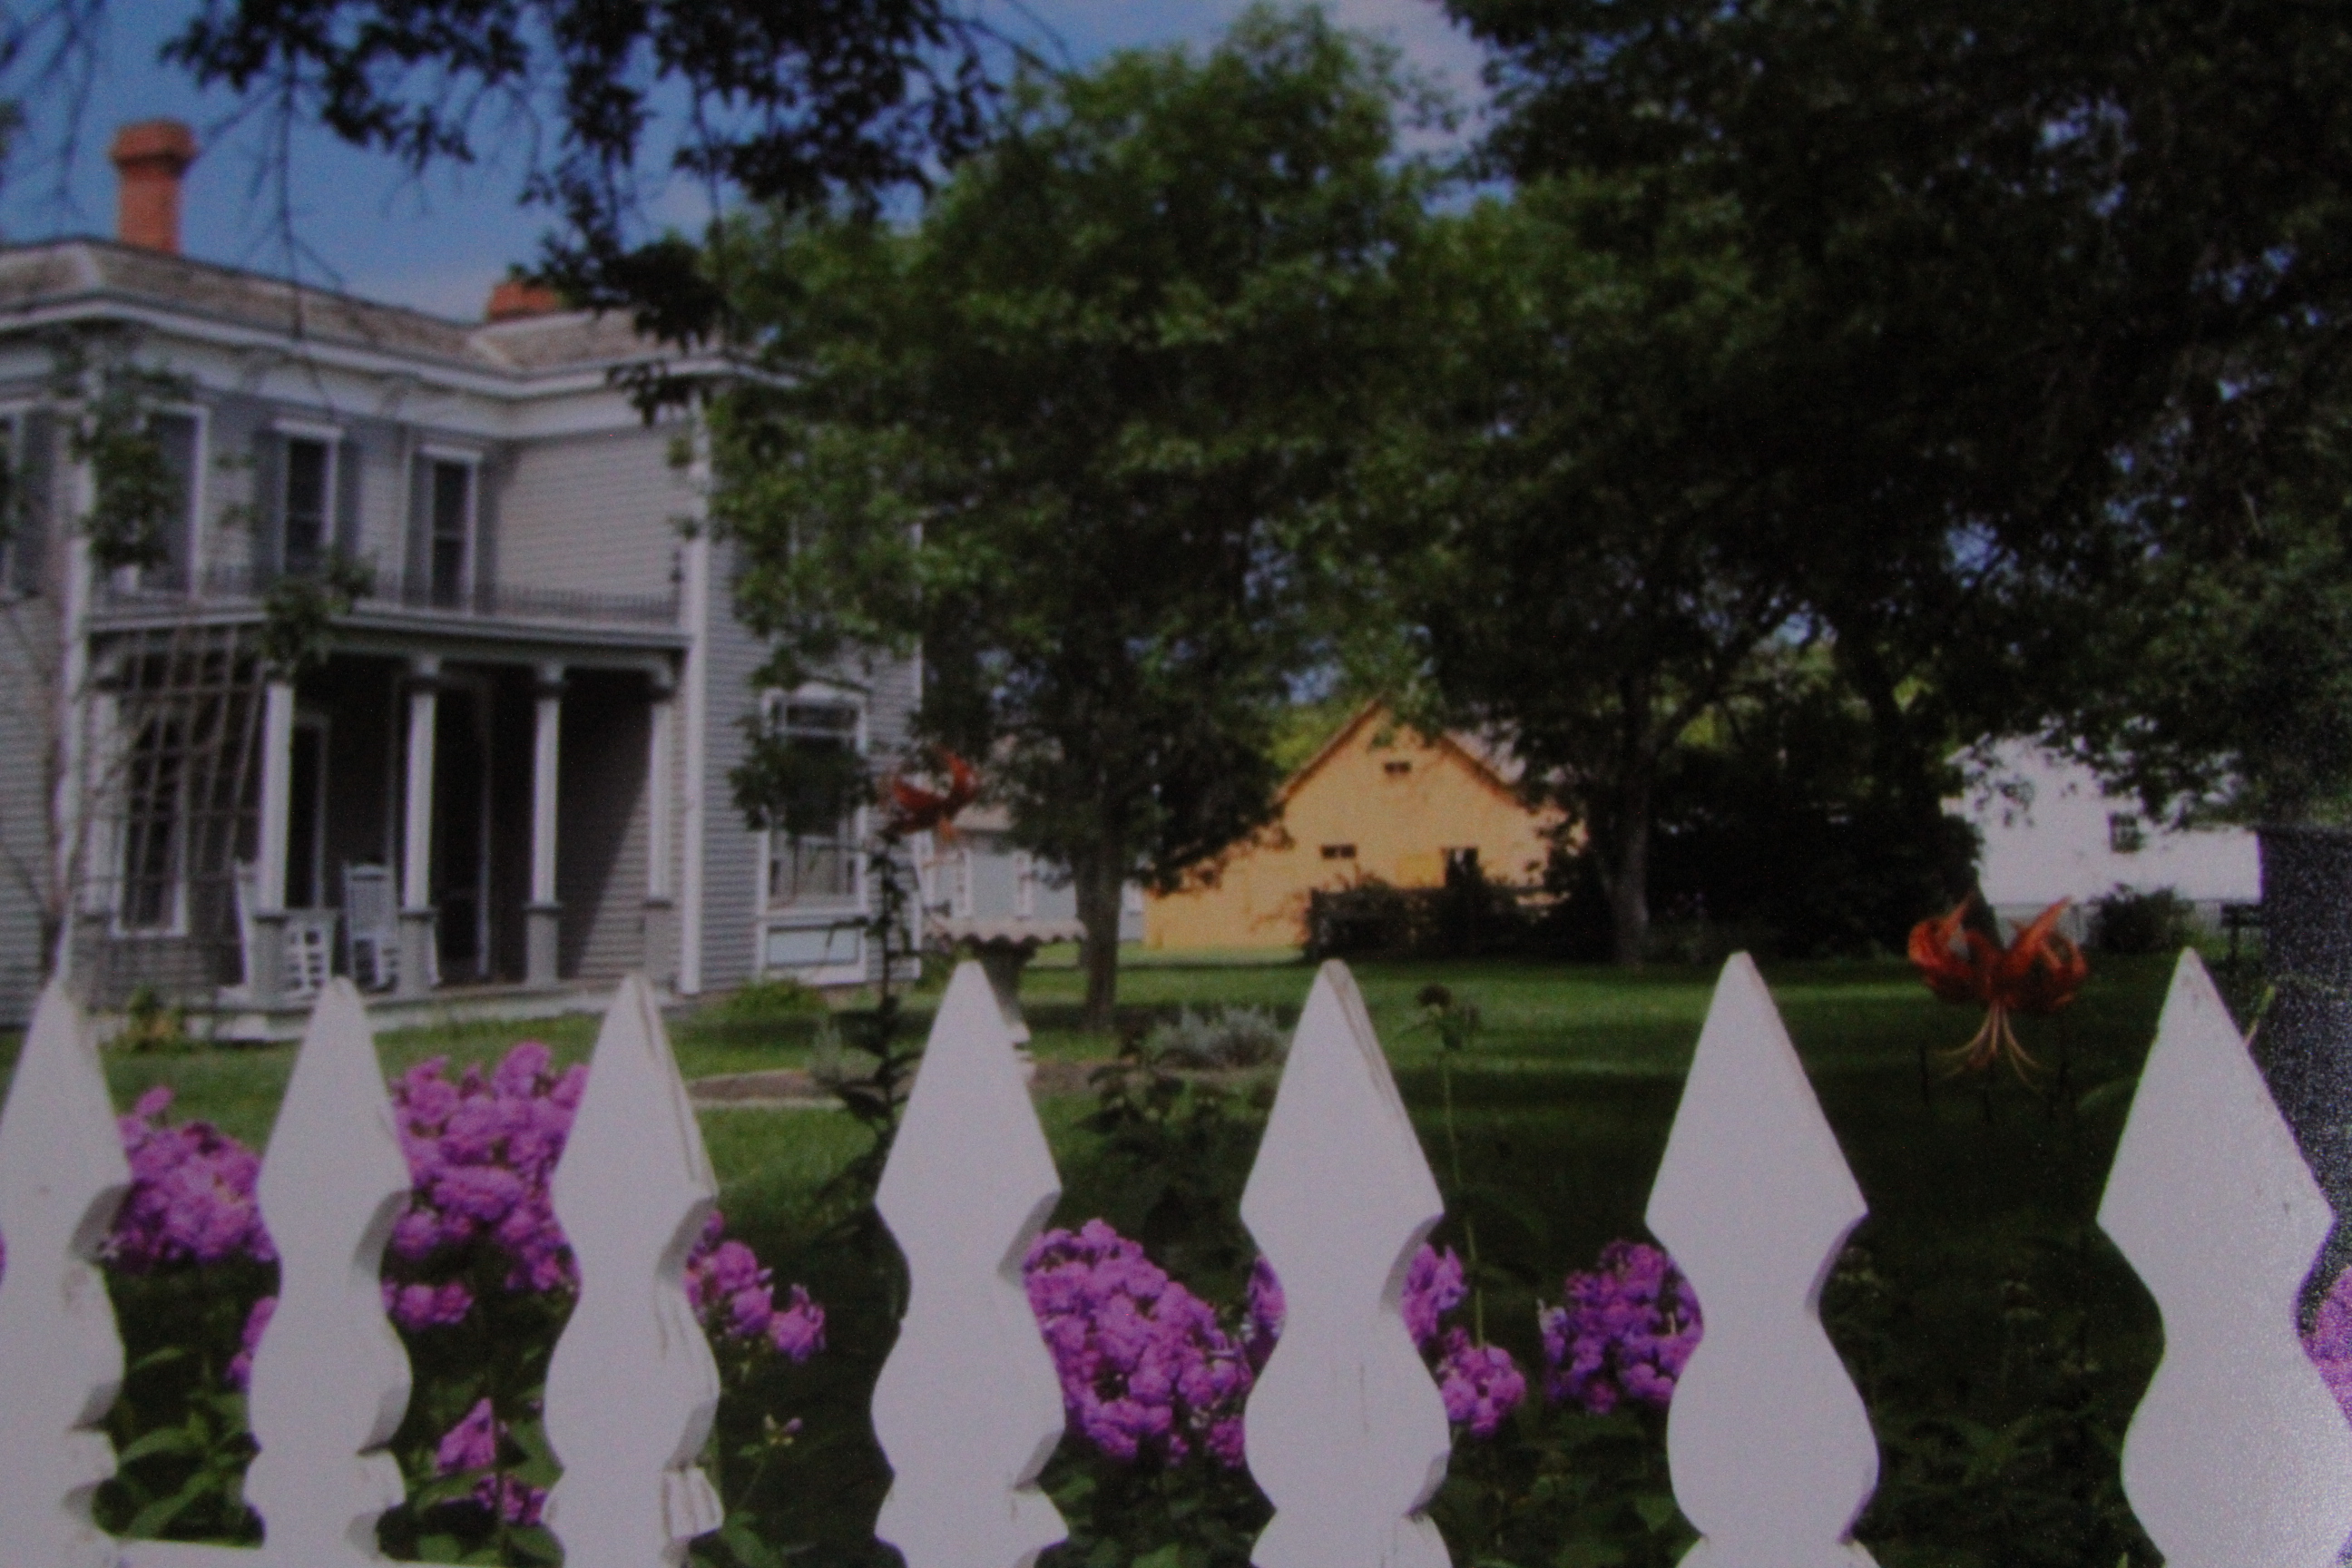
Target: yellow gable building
x,y
1377,803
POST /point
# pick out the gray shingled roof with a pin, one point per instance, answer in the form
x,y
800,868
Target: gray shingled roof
x,y
63,271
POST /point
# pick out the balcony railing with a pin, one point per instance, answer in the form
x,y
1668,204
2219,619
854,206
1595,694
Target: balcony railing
x,y
154,589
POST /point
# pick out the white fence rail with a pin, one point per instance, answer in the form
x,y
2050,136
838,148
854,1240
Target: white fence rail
x,y
2238,1458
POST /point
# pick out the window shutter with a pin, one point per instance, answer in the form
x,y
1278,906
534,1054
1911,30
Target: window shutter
x,y
31,499
268,505
350,457
416,559
486,531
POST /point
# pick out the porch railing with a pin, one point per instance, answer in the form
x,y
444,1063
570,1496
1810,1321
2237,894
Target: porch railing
x,y
2239,1457
239,583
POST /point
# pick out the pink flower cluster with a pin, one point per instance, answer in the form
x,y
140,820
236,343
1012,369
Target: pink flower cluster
x,y
473,1445
481,1151
736,1298
191,1197
1146,1368
2329,1343
1624,1331
1481,1385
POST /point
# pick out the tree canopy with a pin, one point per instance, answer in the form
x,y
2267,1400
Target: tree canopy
x,y
2041,398
791,104
1568,494
1078,430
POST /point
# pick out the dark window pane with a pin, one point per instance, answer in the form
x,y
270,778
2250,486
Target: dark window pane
x,y
306,503
453,485
176,436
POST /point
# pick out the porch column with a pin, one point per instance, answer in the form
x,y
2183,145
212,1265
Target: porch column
x,y
418,957
541,914
265,961
661,911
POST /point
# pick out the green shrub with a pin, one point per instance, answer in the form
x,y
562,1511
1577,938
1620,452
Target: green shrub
x,y
2129,920
772,1001
1217,1038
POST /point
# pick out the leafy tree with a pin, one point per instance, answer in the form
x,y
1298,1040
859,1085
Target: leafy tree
x,y
2015,251
786,103
1075,430
1575,521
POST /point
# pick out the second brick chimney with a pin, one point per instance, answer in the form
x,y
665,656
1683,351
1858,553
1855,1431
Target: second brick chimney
x,y
515,299
150,157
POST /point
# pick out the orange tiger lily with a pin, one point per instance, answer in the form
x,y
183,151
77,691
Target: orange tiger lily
x,y
2039,971
910,807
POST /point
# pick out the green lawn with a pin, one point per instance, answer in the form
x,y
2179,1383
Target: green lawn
x,y
1999,1341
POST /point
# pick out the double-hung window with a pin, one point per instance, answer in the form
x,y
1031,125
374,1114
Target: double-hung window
x,y
449,536
811,857
179,439
308,509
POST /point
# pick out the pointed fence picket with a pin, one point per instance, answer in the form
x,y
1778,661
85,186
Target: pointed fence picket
x,y
967,1408
1771,1449
2238,1452
333,1182
1346,1434
2238,1456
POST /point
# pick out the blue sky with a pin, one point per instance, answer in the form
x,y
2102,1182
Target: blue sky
x,y
438,243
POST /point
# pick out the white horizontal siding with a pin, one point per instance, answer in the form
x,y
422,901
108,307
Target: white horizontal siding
x,y
593,514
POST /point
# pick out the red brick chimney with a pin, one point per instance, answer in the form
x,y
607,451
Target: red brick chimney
x,y
516,298
150,157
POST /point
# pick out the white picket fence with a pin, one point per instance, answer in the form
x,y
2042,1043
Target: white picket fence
x,y
2237,1459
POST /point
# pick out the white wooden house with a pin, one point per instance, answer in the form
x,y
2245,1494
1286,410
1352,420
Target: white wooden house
x,y
507,781
2052,831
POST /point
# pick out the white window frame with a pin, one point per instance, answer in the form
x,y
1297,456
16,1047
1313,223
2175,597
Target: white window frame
x,y
330,520
773,919
434,455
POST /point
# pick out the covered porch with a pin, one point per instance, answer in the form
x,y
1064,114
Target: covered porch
x,y
457,827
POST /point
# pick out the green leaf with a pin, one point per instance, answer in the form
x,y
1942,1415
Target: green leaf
x,y
166,1440
1169,1556
1657,1510
739,1538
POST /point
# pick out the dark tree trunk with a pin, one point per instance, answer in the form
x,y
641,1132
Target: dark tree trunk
x,y
1099,884
1627,863
2305,1044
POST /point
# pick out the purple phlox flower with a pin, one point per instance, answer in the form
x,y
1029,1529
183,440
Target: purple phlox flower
x,y
480,1152
797,1330
1265,1310
1481,1385
1433,1285
192,1194
1146,1368
1623,1331
735,1297
2329,1343
472,1443
240,1366
508,1496
417,1306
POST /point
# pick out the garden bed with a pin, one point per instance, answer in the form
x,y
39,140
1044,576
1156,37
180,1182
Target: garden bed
x,y
2000,1343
